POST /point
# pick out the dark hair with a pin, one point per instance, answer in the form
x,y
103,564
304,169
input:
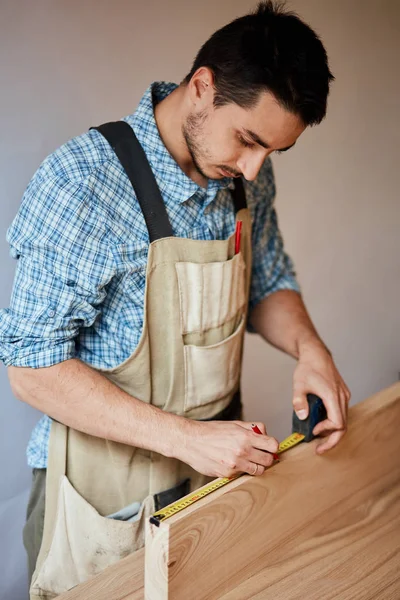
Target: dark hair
x,y
271,50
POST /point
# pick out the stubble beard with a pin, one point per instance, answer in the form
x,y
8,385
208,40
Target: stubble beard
x,y
192,132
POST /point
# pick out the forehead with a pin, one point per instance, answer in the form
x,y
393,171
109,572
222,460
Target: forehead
x,y
267,119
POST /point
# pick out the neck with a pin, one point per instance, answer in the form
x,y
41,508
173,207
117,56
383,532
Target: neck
x,y
169,115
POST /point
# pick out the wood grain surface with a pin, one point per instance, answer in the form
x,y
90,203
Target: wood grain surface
x,y
354,553
312,526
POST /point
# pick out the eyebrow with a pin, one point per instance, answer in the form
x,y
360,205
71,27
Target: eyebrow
x,y
261,142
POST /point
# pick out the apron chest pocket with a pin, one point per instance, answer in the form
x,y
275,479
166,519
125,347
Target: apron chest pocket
x,y
210,294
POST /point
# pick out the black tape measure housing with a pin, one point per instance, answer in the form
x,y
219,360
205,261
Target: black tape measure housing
x,y
317,413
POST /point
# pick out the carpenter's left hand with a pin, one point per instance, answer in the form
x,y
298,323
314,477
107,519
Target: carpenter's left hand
x,y
316,373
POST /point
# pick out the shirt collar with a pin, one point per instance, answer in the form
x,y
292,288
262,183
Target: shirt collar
x,y
169,176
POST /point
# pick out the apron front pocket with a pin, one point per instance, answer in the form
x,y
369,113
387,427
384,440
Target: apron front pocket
x,y
210,294
84,543
212,372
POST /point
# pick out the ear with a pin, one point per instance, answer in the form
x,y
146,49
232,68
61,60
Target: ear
x,y
201,88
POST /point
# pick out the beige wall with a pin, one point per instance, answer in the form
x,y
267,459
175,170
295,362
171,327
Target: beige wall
x,y
66,65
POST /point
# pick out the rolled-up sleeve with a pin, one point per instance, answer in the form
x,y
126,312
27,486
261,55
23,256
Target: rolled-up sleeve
x,y
63,266
272,268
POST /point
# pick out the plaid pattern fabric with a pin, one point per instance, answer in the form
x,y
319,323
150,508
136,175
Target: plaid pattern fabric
x,y
81,244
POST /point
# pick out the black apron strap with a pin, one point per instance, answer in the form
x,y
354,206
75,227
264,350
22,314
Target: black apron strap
x,y
239,195
126,146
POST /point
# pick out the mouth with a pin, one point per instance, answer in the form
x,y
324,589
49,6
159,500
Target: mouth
x,y
226,173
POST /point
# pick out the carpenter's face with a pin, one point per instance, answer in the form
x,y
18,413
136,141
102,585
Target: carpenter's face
x,y
231,141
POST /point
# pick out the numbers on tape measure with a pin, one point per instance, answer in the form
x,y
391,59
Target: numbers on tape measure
x,y
290,441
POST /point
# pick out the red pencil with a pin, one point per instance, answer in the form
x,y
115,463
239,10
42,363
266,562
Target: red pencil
x,y
257,430
238,232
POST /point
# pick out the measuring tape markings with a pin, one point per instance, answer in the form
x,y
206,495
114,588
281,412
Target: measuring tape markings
x,y
290,441
179,505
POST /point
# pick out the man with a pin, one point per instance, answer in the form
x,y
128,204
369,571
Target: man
x,y
131,299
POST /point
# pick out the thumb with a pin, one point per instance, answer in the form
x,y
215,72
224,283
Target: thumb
x,y
300,406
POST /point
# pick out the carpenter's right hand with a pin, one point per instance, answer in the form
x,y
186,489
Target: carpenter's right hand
x,y
225,448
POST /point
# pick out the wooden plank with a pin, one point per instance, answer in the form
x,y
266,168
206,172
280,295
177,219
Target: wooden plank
x,y
326,523
354,552
325,526
122,581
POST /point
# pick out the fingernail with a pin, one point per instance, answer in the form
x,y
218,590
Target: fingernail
x,y
302,414
276,456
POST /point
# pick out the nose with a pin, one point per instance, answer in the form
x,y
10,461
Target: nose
x,y
250,164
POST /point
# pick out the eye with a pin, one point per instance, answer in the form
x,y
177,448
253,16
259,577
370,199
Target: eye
x,y
245,143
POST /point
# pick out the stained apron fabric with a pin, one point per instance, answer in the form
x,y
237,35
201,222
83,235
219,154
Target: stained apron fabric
x,y
187,362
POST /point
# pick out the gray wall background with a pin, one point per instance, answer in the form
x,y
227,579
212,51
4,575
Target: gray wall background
x,y
66,65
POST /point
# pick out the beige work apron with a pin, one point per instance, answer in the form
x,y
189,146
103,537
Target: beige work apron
x,y
188,363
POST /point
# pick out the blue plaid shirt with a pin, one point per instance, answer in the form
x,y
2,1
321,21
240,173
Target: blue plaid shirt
x,y
81,244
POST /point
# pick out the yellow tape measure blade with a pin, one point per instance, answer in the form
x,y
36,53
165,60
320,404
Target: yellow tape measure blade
x,y
290,441
176,507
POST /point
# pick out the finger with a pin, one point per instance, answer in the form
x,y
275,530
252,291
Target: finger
x,y
330,442
300,406
265,442
325,426
347,394
345,406
255,469
331,401
265,459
